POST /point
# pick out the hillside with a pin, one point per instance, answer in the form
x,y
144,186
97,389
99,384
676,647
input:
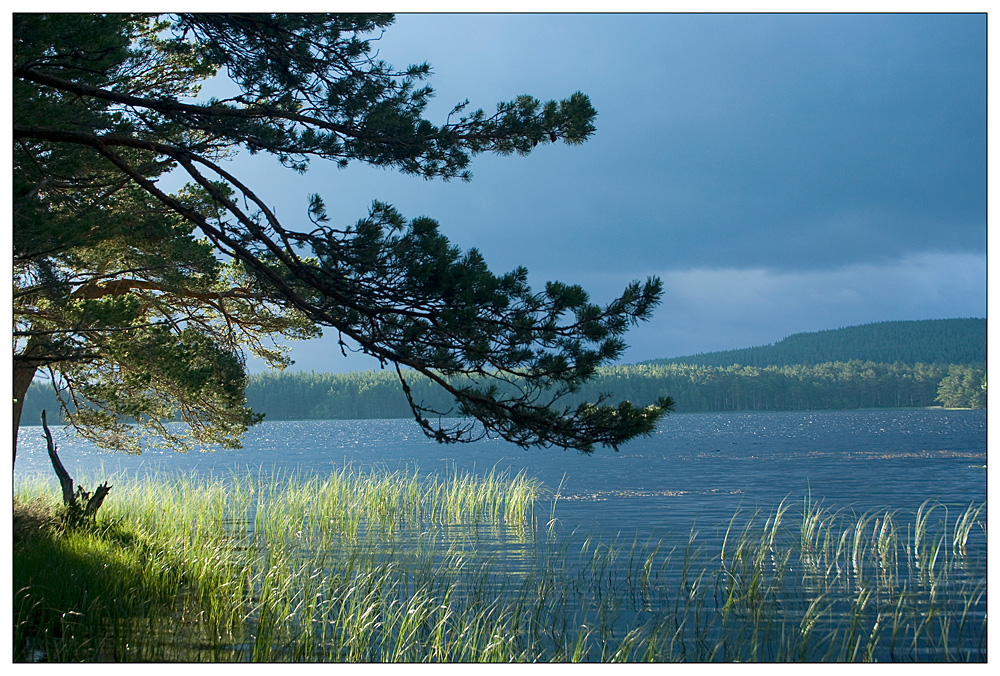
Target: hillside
x,y
890,364
931,341
829,386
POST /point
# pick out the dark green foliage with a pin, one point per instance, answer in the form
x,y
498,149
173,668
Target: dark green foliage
x,y
830,386
963,387
135,316
931,341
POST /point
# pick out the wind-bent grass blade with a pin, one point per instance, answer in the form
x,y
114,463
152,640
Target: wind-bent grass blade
x,y
395,566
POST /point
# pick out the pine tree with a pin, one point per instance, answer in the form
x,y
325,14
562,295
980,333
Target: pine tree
x,y
119,291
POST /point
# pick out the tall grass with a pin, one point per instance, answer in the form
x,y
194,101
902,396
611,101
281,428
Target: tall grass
x,y
389,567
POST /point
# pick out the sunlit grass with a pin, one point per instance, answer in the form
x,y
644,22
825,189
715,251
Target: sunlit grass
x,y
388,567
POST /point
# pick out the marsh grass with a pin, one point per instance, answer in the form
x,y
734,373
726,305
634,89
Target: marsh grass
x,y
395,566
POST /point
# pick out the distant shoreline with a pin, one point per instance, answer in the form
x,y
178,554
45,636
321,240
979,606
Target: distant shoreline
x,y
751,411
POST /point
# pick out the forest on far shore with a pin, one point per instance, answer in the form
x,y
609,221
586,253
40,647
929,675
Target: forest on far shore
x,y
927,341
828,386
694,383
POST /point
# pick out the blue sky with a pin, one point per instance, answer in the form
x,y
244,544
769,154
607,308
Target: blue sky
x,y
781,173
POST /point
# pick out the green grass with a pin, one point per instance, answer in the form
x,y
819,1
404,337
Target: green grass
x,y
382,567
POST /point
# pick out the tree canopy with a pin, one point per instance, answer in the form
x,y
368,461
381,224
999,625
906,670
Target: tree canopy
x,y
143,303
928,341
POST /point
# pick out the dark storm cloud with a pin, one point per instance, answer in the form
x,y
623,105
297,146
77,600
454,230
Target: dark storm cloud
x,y
838,139
778,140
781,173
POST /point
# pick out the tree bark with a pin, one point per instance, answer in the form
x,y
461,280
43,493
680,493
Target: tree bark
x,y
24,373
95,501
64,478
81,503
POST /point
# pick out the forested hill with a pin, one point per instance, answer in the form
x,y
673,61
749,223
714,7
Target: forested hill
x,y
931,341
891,364
829,386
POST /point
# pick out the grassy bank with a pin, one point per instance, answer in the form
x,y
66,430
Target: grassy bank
x,y
401,567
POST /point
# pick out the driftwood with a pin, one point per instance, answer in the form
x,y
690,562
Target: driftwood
x,y
81,502
94,501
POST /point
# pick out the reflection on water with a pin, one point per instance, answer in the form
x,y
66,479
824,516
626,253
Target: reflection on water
x,y
869,503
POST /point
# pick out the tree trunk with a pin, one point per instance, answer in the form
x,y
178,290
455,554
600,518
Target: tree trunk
x,y
24,373
64,478
25,369
81,504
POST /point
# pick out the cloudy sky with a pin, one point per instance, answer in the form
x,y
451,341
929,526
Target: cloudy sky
x,y
780,173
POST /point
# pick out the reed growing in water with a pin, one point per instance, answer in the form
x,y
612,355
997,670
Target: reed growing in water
x,y
390,567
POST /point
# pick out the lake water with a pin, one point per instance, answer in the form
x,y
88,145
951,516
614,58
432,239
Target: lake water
x,y
698,467
696,473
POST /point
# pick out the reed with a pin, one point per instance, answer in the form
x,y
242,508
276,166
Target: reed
x,y
398,567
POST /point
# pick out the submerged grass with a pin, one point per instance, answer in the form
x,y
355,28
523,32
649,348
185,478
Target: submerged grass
x,y
398,567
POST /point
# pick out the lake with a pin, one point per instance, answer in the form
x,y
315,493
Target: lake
x,y
697,466
699,472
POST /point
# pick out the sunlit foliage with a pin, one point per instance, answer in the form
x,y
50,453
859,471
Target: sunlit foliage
x,y
143,303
